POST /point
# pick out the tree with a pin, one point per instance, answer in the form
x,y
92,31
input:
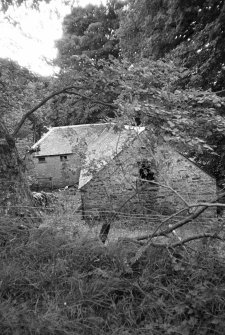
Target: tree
x,y
15,198
90,31
19,90
98,81
192,32
142,30
147,93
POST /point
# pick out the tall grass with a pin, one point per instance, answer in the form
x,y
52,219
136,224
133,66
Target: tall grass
x,y
53,285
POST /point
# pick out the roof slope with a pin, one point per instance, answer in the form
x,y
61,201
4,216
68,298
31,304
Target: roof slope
x,y
108,144
61,140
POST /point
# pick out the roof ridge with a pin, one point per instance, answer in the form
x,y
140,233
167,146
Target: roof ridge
x,y
82,125
42,138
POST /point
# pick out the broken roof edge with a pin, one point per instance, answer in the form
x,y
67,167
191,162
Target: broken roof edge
x,y
35,145
126,145
80,187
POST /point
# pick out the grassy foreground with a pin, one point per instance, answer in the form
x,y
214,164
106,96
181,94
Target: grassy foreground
x,y
49,285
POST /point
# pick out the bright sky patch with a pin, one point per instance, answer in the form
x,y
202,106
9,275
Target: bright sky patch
x,y
31,41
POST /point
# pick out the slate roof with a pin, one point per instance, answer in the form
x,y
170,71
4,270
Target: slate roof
x,y
104,148
102,143
61,140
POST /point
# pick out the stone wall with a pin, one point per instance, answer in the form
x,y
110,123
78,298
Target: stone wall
x,y
118,186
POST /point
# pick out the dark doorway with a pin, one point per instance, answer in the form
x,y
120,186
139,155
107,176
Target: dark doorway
x,y
145,170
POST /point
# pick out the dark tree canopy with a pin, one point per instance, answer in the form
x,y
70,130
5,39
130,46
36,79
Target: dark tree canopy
x,y
190,32
90,31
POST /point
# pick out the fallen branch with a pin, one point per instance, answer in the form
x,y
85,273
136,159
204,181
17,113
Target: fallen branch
x,y
184,221
171,229
188,239
196,237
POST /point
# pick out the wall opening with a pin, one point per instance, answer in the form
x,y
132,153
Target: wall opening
x,y
63,158
145,171
41,160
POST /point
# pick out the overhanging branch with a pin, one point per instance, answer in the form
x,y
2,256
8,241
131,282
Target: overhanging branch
x,y
66,90
92,99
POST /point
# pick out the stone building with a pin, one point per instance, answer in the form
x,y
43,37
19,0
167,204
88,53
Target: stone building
x,y
120,171
144,177
56,159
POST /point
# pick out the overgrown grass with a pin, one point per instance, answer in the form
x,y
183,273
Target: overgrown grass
x,y
52,285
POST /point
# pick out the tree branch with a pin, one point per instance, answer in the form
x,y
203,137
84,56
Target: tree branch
x,y
188,239
184,221
43,102
93,100
196,237
169,230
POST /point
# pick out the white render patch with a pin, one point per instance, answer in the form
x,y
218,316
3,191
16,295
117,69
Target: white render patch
x,y
108,145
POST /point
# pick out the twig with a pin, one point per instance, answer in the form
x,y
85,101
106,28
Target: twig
x,y
166,186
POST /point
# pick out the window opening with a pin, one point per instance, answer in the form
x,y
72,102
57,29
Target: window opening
x,y
145,171
41,160
63,158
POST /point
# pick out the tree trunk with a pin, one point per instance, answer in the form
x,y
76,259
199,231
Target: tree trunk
x,y
15,196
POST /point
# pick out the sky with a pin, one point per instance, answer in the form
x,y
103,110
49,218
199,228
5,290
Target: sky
x,y
31,41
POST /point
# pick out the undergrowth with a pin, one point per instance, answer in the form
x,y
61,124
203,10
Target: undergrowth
x,y
52,285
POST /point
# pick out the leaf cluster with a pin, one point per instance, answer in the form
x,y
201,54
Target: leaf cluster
x,y
190,32
90,31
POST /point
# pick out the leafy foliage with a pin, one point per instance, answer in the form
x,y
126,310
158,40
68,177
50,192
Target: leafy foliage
x,y
96,85
90,31
150,93
193,31
20,89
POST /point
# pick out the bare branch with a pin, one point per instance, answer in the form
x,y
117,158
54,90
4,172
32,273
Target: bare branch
x,y
196,237
152,235
182,242
216,204
25,116
184,221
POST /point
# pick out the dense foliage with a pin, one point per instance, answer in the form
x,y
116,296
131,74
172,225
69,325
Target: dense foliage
x,y
20,90
90,31
192,32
